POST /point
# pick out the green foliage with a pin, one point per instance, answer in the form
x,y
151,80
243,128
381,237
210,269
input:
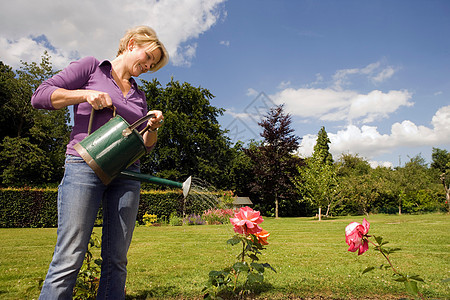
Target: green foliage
x,y
410,281
24,162
190,143
242,277
175,220
28,208
322,149
88,279
317,180
41,135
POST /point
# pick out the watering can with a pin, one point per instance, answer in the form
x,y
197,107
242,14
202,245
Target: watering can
x,y
115,146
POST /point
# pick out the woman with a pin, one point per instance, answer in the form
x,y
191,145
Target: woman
x,y
86,84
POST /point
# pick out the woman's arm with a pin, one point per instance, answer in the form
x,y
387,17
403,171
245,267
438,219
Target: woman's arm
x,y
66,85
61,98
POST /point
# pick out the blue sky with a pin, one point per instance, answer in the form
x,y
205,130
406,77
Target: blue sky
x,y
376,74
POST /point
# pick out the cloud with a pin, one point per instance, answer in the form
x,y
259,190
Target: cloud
x,y
225,43
367,142
284,84
84,27
375,72
341,105
335,103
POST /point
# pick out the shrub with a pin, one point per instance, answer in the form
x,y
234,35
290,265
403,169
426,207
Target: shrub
x,y
193,219
174,220
218,216
149,219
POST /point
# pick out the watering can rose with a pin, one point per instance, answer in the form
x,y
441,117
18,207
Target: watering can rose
x,y
356,236
246,221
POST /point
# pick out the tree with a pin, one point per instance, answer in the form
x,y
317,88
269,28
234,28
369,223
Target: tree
x,y
411,178
43,132
356,184
318,181
274,165
191,142
322,149
441,163
240,171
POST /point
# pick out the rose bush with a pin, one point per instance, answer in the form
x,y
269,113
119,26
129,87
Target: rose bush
x,y
240,278
357,237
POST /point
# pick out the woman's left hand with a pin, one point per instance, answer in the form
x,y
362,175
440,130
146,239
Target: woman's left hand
x,y
156,122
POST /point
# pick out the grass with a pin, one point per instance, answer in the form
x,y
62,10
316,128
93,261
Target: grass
x,y
310,257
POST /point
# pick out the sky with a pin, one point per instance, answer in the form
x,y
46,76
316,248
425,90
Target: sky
x,y
375,74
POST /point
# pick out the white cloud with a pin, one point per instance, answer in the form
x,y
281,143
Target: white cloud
x,y
87,27
375,72
341,105
252,92
225,43
367,142
383,75
284,84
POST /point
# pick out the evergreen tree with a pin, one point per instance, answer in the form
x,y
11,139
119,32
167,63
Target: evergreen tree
x,y
317,180
274,165
322,148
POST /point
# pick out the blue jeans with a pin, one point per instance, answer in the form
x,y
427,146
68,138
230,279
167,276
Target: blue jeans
x,y
79,197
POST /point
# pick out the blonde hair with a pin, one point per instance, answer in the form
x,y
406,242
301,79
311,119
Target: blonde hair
x,y
142,35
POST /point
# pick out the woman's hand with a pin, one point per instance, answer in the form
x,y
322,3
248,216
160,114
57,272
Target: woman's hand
x,y
156,122
98,100
150,137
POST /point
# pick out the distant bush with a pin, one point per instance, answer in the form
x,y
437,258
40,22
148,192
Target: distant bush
x,y
31,207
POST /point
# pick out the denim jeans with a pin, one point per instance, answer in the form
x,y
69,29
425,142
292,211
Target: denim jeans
x,y
79,197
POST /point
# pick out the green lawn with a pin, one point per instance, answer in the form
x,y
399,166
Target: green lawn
x,y
310,257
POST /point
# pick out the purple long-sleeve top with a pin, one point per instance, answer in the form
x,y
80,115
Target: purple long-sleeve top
x,y
90,74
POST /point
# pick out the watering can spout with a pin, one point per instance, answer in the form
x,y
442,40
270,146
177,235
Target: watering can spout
x,y
185,186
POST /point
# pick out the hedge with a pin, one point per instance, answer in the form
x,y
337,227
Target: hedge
x,y
30,207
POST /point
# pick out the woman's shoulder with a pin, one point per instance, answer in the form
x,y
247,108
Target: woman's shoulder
x,y
89,61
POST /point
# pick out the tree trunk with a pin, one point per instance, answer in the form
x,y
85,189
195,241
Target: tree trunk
x,y
276,208
447,190
328,210
447,196
320,213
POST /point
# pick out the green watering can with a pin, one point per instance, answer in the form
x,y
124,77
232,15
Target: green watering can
x,y
115,146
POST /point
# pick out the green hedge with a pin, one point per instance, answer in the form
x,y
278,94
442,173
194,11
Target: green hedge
x,y
28,207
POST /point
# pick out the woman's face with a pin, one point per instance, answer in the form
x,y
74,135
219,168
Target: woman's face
x,y
142,59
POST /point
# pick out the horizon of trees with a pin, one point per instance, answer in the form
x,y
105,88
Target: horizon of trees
x,y
192,142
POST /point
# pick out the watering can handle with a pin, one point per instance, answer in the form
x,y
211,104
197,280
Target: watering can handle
x,y
91,118
129,130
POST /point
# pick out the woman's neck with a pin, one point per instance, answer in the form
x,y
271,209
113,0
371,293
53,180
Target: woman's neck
x,y
118,66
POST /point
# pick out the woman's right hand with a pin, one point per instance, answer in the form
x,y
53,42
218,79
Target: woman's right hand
x,y
98,100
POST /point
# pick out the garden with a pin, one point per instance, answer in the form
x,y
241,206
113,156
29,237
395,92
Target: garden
x,y
398,248
310,258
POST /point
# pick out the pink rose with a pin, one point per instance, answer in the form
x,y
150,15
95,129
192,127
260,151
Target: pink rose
x,y
246,221
355,236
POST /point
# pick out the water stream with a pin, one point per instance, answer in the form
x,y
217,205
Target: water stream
x,y
201,197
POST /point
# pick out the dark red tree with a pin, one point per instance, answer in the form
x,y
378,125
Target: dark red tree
x,y
274,164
